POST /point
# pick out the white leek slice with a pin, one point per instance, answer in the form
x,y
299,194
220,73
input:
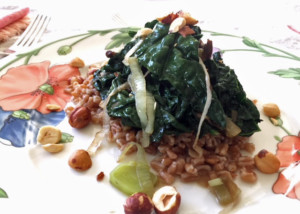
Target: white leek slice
x,y
144,101
137,83
132,51
101,135
151,105
207,102
232,129
115,91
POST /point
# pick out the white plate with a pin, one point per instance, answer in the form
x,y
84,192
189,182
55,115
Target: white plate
x,y
38,182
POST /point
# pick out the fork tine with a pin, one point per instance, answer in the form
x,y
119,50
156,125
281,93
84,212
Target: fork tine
x,y
40,29
26,34
119,20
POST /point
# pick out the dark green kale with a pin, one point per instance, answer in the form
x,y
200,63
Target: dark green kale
x,y
177,82
232,96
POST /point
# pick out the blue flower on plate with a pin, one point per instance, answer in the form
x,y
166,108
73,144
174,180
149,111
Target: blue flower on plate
x,y
20,128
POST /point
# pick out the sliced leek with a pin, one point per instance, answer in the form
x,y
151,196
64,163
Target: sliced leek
x,y
144,101
207,103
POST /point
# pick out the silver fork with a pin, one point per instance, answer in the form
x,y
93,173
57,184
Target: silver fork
x,y
116,18
31,35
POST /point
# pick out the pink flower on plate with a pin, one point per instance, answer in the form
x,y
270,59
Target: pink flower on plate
x,y
34,86
293,29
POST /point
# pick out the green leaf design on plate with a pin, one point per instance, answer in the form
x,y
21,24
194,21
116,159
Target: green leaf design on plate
x,y
277,138
267,51
3,194
66,138
125,35
64,50
279,122
293,73
47,89
252,43
21,115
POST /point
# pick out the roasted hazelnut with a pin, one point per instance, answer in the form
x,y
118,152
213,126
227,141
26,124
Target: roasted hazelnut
x,y
77,62
166,200
139,203
271,110
267,162
80,117
80,160
53,148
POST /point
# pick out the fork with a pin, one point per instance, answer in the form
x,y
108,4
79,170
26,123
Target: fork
x,y
116,18
31,35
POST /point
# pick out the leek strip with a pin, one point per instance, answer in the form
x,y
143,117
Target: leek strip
x,y
100,136
207,103
137,83
151,104
144,101
131,51
143,173
122,87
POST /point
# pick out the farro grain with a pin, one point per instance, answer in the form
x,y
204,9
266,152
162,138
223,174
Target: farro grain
x,y
175,156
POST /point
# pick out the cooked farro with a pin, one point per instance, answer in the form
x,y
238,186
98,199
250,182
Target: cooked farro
x,y
174,155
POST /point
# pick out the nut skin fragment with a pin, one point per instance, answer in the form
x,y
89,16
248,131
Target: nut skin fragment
x,y
77,62
53,148
80,117
49,135
166,200
80,160
267,162
139,203
100,176
271,110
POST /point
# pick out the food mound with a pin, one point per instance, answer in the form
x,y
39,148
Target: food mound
x,y
169,92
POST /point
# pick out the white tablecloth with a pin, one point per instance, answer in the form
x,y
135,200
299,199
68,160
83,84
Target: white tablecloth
x,y
267,21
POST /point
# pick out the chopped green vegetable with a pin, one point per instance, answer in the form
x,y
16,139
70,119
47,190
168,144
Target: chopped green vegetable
x,y
221,191
177,82
124,178
234,190
3,194
225,190
134,176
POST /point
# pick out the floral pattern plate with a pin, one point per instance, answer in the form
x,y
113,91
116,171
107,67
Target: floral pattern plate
x,y
35,181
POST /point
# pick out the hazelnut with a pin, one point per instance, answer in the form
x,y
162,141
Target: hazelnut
x,y
77,62
53,148
53,107
177,24
271,110
80,160
166,200
267,162
139,203
80,117
189,20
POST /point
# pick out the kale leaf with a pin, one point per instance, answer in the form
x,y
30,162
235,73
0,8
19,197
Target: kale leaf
x,y
177,82
232,96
